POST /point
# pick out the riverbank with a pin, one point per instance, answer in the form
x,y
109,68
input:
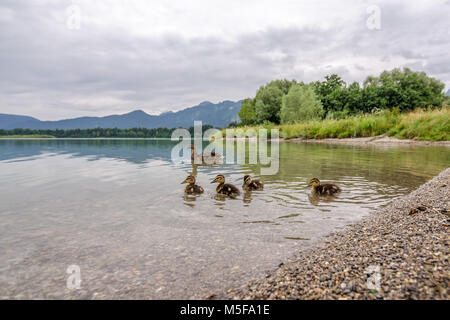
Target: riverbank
x,y
405,245
381,140
418,125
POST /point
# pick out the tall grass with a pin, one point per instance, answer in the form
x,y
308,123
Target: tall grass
x,y
433,125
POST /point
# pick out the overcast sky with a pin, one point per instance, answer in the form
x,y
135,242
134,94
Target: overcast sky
x,y
62,59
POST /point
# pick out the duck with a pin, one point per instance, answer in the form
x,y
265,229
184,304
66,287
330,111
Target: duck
x,y
323,189
225,188
192,188
250,184
206,157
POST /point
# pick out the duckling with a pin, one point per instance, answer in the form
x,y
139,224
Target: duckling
x,y
206,157
250,184
225,188
192,188
323,189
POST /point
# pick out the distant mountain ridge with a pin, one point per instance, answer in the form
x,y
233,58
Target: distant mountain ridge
x,y
218,115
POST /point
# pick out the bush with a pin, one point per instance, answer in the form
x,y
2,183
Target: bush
x,y
421,124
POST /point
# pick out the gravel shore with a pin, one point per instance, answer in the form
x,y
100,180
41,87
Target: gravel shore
x,y
400,252
381,140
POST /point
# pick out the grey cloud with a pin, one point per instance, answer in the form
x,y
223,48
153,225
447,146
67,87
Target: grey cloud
x,y
46,68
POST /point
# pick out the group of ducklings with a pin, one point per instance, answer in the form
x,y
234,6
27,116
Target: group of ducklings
x,y
223,188
250,184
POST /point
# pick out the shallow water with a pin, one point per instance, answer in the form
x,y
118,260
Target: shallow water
x,y
116,209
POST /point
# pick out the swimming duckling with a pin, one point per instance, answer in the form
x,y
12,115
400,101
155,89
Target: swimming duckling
x,y
192,188
225,188
323,189
206,157
250,184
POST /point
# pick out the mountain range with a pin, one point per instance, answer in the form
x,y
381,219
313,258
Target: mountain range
x,y
217,115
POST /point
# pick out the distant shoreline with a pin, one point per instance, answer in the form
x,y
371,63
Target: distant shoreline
x,y
18,137
55,138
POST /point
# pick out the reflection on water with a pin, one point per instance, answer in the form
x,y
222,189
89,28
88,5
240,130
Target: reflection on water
x,y
116,209
316,199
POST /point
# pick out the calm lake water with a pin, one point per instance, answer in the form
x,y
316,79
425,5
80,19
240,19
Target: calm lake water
x,y
116,209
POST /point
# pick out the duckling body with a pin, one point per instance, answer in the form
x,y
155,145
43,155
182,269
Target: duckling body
x,y
228,189
206,157
225,188
323,189
250,184
192,188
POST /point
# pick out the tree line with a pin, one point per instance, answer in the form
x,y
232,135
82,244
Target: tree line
x,y
100,132
288,101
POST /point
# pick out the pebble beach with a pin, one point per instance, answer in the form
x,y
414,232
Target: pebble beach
x,y
399,252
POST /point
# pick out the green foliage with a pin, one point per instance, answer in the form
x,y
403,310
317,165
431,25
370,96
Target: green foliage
x,y
432,125
267,103
404,89
248,112
32,136
235,124
300,104
98,133
331,92
446,100
421,125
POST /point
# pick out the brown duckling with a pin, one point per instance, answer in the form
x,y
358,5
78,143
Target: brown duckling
x,y
192,188
323,189
250,184
225,188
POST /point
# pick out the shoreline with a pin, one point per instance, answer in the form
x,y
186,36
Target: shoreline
x,y
376,140
381,140
408,241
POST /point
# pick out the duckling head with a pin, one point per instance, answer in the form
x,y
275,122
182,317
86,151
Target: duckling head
x,y
219,179
314,182
189,180
247,180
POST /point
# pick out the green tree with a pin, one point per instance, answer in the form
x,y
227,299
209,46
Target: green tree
x,y
248,112
300,104
331,92
405,89
268,104
354,101
268,100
